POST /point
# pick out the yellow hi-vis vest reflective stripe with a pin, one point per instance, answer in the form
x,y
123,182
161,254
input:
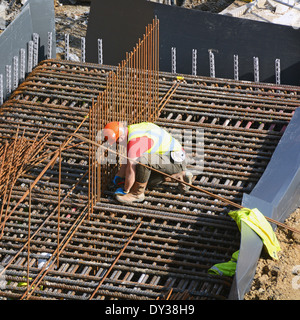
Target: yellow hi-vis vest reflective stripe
x,y
163,141
225,268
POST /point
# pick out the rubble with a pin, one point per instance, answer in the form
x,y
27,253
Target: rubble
x,y
74,21
8,12
285,12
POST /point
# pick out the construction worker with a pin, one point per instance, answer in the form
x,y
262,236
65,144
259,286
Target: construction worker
x,y
150,145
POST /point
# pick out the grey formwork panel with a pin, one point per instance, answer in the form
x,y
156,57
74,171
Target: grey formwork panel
x,y
276,195
37,16
15,37
43,21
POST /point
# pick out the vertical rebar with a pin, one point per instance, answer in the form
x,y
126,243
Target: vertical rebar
x,y
139,83
131,86
131,95
1,90
134,85
148,70
93,160
99,160
29,236
157,65
89,164
58,209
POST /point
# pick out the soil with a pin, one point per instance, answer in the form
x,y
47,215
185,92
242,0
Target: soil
x,y
280,279
208,5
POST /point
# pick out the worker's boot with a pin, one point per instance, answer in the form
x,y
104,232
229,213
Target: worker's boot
x,y
136,194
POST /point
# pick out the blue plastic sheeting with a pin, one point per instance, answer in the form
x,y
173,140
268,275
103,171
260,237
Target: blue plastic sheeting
x,y
276,195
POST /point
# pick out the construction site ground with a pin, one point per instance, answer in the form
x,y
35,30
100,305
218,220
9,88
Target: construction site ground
x,y
274,280
279,280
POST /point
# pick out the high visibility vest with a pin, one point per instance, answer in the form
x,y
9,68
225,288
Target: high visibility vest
x,y
257,222
225,268
163,141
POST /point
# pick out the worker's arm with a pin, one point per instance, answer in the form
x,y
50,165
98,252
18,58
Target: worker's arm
x,y
129,176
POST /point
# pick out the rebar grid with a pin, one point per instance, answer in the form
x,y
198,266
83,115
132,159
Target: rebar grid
x,y
16,158
180,237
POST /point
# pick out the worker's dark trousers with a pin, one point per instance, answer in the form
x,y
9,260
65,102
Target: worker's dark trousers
x,y
159,162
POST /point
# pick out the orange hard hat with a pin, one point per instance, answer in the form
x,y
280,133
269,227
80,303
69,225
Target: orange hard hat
x,y
112,132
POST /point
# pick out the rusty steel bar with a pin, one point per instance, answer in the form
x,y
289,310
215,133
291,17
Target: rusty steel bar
x,y
44,222
50,163
28,243
229,202
58,210
181,236
48,265
115,261
167,97
120,98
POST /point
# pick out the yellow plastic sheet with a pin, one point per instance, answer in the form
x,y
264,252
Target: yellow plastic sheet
x,y
258,223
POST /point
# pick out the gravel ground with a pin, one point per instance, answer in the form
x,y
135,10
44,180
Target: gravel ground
x,y
280,279
208,5
72,20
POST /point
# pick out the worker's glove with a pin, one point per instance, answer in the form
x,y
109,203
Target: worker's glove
x,y
118,181
120,191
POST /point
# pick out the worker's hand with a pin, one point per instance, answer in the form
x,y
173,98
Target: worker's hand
x,y
118,181
120,191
